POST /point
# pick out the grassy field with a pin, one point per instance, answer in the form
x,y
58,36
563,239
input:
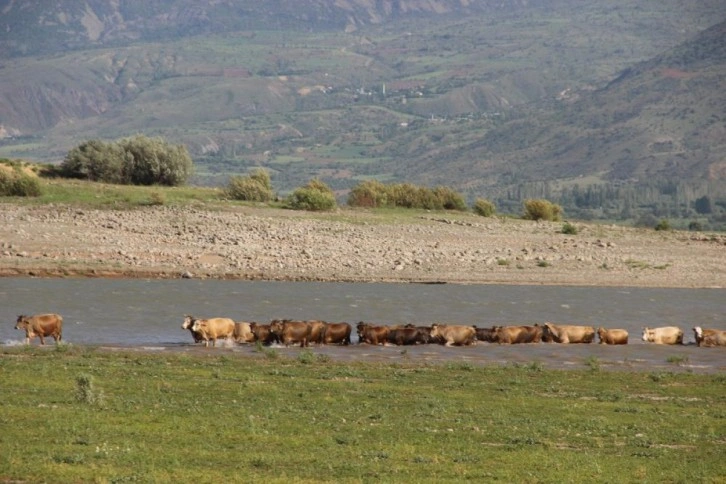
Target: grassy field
x,y
73,414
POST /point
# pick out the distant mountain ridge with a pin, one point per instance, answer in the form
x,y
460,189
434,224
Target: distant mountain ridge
x,y
485,96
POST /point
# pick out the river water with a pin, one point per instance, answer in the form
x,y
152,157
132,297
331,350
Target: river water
x,y
147,315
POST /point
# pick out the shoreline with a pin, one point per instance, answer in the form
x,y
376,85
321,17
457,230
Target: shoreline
x,y
262,243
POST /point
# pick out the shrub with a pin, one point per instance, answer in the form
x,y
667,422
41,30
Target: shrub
x,y
540,209
137,161
448,199
255,187
695,226
663,225
484,207
315,196
369,193
15,183
569,229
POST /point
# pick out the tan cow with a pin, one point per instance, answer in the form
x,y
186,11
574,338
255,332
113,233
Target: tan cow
x,y
666,335
213,329
612,336
316,331
517,334
567,333
336,333
243,332
41,325
450,335
709,337
289,331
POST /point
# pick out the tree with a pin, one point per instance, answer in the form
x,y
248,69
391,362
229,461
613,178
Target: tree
x,y
703,205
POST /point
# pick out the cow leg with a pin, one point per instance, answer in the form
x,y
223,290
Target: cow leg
x,y
42,339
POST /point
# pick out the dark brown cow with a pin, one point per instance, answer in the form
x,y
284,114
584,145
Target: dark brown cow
x,y
316,331
262,333
566,333
453,335
409,335
289,331
374,335
517,334
612,336
485,334
336,333
187,324
709,337
41,325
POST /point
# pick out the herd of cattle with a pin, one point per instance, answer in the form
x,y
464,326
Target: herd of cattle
x,y
303,333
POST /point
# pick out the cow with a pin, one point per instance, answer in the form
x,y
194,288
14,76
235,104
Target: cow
x,y
612,336
565,333
290,331
263,334
517,334
709,337
666,335
409,335
336,333
41,325
213,329
187,324
243,332
374,335
316,331
485,334
450,335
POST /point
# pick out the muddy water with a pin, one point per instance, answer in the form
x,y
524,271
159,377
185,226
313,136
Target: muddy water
x,y
147,315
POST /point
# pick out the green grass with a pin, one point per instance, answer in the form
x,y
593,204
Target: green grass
x,y
218,417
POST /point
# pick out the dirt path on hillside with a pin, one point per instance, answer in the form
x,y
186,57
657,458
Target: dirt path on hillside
x,y
273,244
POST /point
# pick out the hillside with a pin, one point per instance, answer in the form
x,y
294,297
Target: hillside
x,y
493,98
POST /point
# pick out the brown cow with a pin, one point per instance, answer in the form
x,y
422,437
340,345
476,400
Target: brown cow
x,y
450,335
187,324
612,336
666,335
41,325
316,331
709,337
336,333
485,334
213,329
243,332
263,334
409,335
517,334
565,333
374,335
290,331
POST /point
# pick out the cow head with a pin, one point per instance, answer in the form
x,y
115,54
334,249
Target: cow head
x,y
648,334
198,325
22,322
698,332
188,321
276,326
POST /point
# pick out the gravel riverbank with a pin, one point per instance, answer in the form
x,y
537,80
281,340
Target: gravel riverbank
x,y
348,245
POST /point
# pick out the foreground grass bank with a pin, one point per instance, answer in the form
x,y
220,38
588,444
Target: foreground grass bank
x,y
79,414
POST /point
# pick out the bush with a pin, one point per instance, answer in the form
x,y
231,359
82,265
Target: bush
x,y
132,161
15,183
569,229
255,187
484,207
663,225
448,199
695,226
315,196
369,193
540,209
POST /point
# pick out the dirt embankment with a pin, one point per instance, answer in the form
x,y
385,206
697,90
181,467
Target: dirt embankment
x,y
271,244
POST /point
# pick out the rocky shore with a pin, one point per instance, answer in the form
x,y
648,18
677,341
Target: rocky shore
x,y
348,245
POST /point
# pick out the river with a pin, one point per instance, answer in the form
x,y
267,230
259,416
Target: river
x,y
147,315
